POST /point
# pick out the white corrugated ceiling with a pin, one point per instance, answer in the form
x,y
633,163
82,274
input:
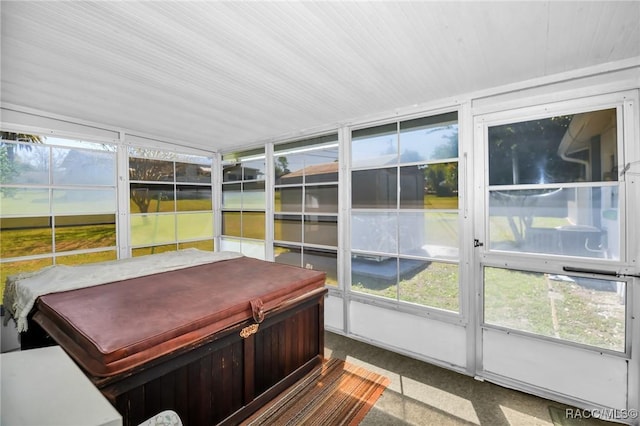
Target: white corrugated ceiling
x,y
221,75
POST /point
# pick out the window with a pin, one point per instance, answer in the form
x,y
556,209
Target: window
x,y
57,202
306,205
170,201
404,211
553,186
243,203
590,311
553,193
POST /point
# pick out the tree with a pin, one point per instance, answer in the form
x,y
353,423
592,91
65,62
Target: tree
x,y
19,137
282,166
526,152
148,169
8,167
7,171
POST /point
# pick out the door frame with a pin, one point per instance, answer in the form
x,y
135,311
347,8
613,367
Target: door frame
x,y
626,103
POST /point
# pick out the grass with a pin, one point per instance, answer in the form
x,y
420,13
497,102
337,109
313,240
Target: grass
x,y
436,286
590,316
244,224
581,311
432,201
517,300
21,242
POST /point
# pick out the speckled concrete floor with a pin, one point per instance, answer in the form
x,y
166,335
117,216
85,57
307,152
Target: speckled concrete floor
x,y
423,394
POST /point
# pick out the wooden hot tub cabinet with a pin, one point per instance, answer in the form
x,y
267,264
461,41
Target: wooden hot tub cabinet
x,y
212,373
225,378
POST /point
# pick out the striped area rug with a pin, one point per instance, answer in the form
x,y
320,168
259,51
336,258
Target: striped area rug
x,y
337,393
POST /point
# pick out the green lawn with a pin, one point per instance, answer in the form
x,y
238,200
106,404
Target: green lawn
x,y
582,311
435,286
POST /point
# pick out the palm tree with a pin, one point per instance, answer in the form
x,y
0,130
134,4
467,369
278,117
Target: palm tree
x,y
8,168
19,137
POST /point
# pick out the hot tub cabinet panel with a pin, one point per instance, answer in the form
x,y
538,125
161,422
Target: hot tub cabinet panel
x,y
227,377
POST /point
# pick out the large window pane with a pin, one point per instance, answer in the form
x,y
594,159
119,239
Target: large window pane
x,y
579,221
151,198
582,310
376,146
180,192
25,163
429,138
193,226
321,230
321,199
376,188
84,232
376,232
151,229
193,198
410,170
568,148
70,201
24,201
25,236
430,283
83,167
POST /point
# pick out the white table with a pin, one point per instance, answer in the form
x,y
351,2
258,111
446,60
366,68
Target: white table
x,y
45,387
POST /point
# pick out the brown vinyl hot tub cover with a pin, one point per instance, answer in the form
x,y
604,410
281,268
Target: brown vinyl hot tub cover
x,y
114,327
